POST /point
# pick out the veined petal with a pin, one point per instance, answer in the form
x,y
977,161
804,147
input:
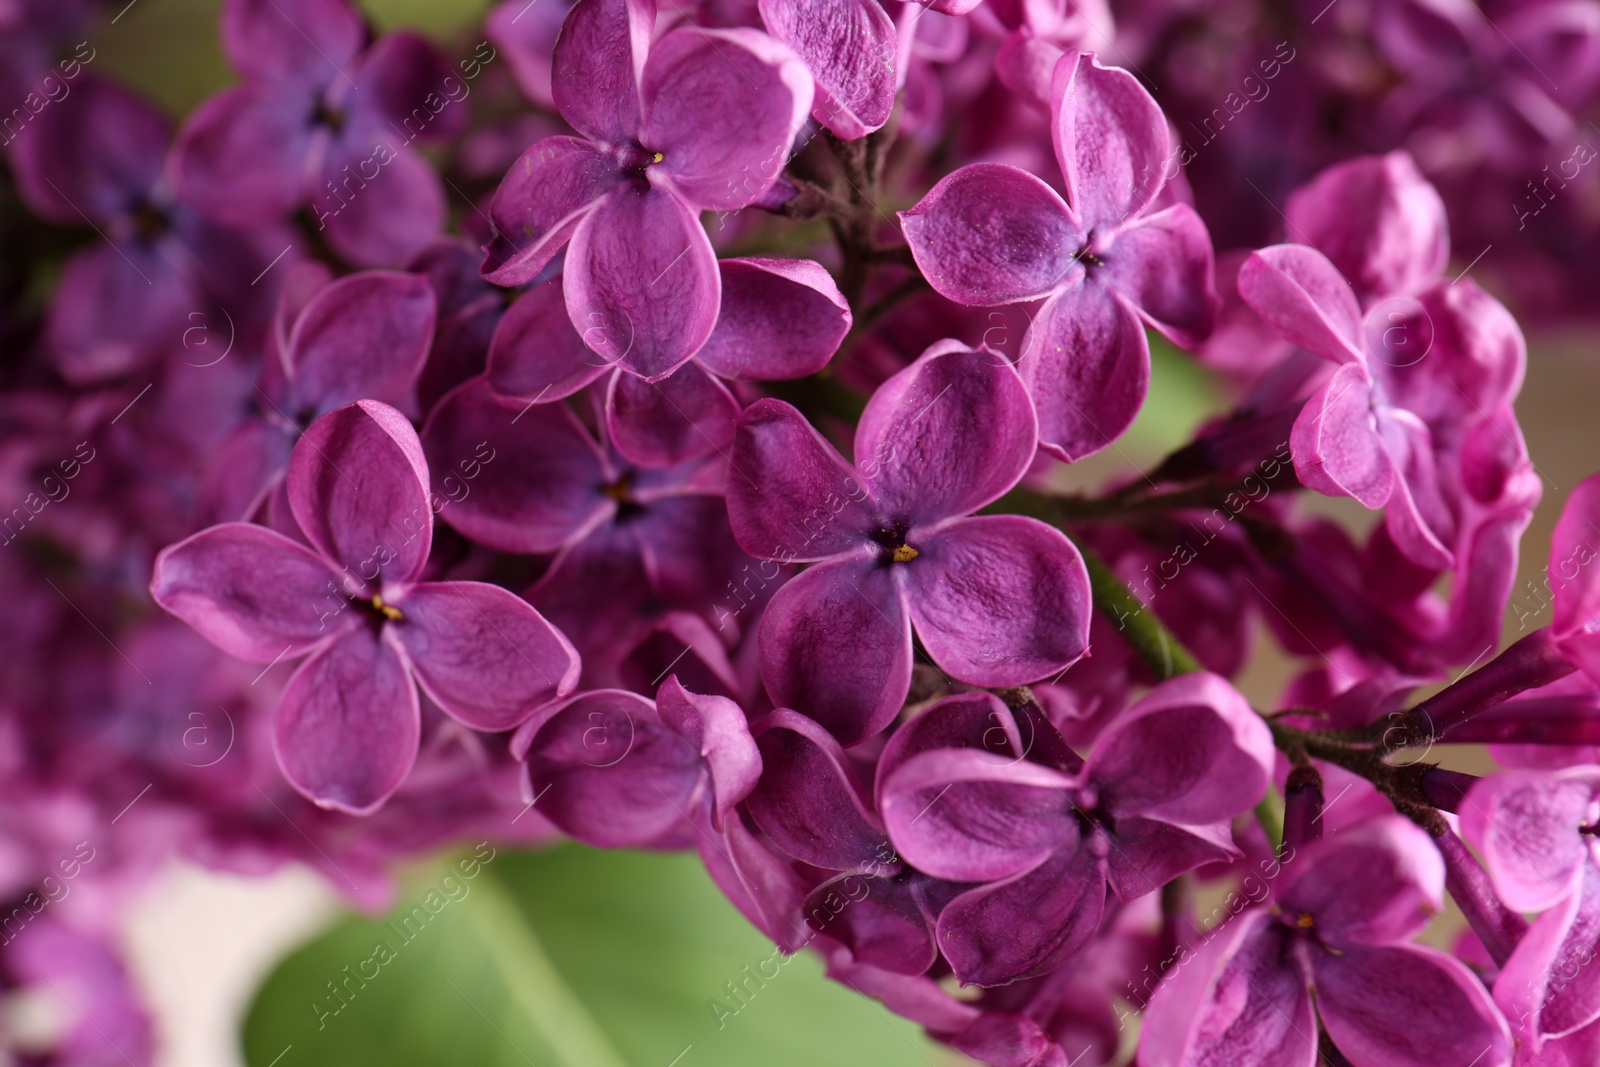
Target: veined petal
x,y
1301,295
849,46
1164,266
1086,362
1111,141
542,198
535,353
1526,825
364,336
809,800
684,416
599,59
780,318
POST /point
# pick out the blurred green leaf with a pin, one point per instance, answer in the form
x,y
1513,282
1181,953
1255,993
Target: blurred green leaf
x,y
570,957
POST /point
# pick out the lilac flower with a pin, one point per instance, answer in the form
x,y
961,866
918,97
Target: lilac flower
x,y
364,336
996,600
697,120
1106,260
1046,833
618,770
1535,830
1574,546
321,120
779,319
353,604
526,33
1340,922
96,158
850,47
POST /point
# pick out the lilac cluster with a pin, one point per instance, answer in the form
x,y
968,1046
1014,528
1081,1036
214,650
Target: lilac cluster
x,y
644,426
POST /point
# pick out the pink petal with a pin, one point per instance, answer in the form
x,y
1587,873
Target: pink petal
x,y
947,435
536,354
1111,141
525,33
540,477
358,486
116,308
718,728
1192,750
1163,266
483,653
241,156
1573,544
780,318
992,233
1087,364
1374,883
599,59
251,592
1525,823
383,221
1303,296
836,640
641,282
292,41
684,416
791,496
849,45
549,190
710,159
1337,450
364,336
1407,1006
999,600
347,731
1548,985
809,800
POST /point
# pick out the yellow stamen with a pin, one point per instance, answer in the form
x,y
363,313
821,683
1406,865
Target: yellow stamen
x,y
904,554
1305,922
657,158
388,611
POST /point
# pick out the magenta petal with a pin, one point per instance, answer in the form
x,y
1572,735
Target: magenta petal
x,y
1576,598
347,731
115,308
849,45
1375,883
1087,363
999,599
1111,141
358,486
1238,1000
1548,978
1526,825
780,318
974,816
388,218
251,592
809,801
711,158
718,728
540,478
406,84
1145,854
598,61
1337,450
1377,220
1407,1005
241,155
684,416
608,772
791,496
540,201
525,33
1163,265
880,919
1024,926
98,154
1303,296
293,41
535,353
947,435
483,653
642,285
365,336
836,640
1191,750
992,233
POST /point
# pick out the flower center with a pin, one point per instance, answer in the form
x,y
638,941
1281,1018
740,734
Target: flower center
x,y
149,222
382,609
331,117
892,539
903,554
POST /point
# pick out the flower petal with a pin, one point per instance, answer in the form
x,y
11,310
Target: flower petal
x,y
1303,296
849,46
780,318
240,157
1164,267
483,653
992,233
947,435
1111,141
1087,364
347,731
791,496
1407,1006
364,336
641,282
1374,883
1573,546
836,641
535,353
1525,823
304,42
387,218
598,61
999,599
549,190
540,477
718,728
809,801
880,919
1337,451
684,416
714,158
358,486
251,592
1548,985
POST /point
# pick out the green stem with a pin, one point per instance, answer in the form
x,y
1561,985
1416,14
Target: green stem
x,y
1163,653
1269,813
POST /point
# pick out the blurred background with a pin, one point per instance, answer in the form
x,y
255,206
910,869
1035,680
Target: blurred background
x,y
569,956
